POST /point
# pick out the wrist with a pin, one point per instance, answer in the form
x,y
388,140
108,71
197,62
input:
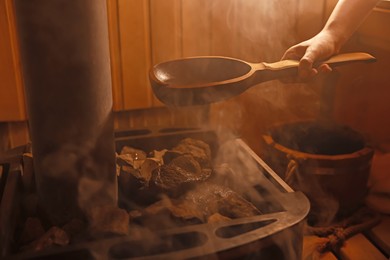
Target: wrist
x,y
335,37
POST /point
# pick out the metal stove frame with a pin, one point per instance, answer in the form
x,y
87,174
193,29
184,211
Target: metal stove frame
x,y
276,234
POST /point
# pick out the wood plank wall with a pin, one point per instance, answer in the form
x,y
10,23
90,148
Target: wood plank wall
x,y
363,91
226,27
262,31
11,85
151,31
252,30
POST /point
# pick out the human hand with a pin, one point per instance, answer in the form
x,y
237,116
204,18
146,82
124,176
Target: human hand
x,y
309,52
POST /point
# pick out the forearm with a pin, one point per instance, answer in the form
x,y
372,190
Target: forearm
x,y
346,18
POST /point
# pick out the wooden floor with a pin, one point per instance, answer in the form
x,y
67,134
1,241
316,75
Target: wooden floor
x,y
371,245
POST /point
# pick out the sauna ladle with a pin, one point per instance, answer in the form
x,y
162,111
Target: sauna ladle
x,y
208,79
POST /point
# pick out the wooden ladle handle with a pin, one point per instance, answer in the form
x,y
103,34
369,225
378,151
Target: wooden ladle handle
x,y
336,60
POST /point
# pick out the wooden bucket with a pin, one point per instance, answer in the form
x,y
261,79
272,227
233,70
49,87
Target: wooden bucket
x,y
330,163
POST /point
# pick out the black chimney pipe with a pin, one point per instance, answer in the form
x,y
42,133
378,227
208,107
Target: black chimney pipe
x,y
66,69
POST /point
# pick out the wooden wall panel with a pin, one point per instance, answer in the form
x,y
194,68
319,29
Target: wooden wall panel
x,y
166,33
223,27
265,29
4,139
329,6
134,32
361,94
174,29
196,30
18,133
115,54
166,20
311,17
259,31
252,30
363,91
375,30
12,105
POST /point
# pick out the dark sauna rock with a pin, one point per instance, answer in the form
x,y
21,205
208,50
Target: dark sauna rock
x,y
188,163
177,176
32,230
129,182
217,218
108,220
197,148
74,227
131,156
140,177
134,169
55,236
136,153
158,155
167,213
168,156
147,169
211,198
207,202
134,184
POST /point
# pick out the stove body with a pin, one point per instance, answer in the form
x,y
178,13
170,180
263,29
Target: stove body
x,y
277,233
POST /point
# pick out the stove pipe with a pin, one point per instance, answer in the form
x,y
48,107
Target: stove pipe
x,y
66,69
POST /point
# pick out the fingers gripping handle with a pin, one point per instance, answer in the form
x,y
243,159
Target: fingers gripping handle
x,y
336,60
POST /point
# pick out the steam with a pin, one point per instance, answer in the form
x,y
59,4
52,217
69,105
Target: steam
x,y
257,30
78,171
